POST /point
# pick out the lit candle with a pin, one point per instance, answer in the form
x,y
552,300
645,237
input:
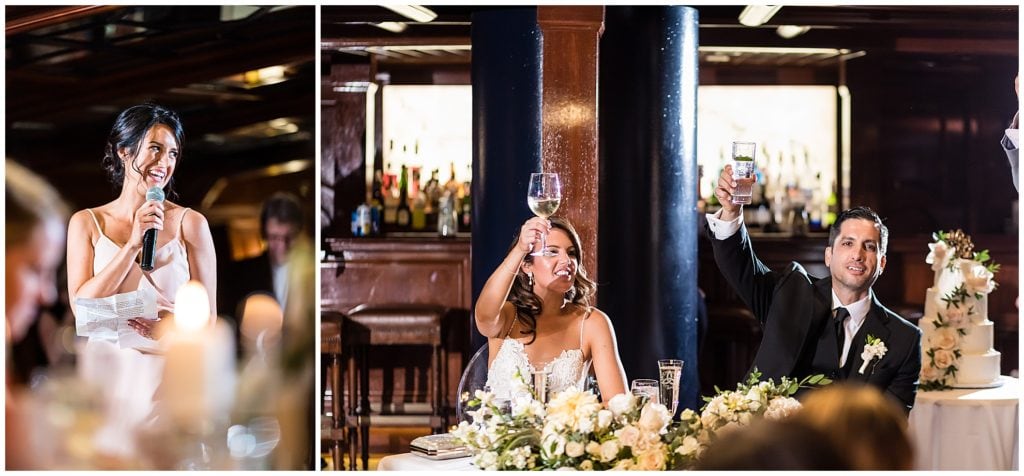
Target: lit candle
x,y
199,376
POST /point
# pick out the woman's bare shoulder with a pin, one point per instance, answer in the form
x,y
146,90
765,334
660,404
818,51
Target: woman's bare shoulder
x,y
598,321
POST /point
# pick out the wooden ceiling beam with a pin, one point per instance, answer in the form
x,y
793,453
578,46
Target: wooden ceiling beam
x,y
52,16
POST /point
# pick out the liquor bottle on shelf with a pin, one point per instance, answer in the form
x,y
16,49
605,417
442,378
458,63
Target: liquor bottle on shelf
x,y
403,216
452,185
419,215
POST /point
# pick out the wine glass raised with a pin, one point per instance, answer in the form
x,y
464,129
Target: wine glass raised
x,y
543,197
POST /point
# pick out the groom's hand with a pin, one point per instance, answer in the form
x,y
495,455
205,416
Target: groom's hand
x,y
724,190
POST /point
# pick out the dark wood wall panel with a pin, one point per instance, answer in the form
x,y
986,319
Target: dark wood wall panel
x,y
343,138
377,271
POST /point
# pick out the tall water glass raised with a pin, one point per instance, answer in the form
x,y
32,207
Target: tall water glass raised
x,y
670,372
743,171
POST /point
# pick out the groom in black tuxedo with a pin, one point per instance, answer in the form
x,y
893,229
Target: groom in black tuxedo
x,y
820,325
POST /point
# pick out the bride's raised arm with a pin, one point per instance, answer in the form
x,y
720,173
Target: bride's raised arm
x,y
490,321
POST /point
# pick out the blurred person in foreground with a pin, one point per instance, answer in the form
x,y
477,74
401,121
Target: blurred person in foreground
x,y
832,325
772,445
871,429
33,240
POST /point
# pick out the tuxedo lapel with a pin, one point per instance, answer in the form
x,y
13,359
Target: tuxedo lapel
x,y
876,324
826,356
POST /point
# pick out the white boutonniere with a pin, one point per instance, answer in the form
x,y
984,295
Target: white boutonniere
x,y
874,348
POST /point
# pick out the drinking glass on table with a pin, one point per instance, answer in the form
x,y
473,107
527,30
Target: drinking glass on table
x,y
743,171
670,372
544,196
646,388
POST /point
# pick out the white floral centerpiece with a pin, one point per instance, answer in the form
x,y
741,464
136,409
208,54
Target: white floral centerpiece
x,y
574,431
954,252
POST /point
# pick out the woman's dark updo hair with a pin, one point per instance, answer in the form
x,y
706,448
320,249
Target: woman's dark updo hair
x,y
129,129
528,304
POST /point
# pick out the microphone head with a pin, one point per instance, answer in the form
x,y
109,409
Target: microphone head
x,y
155,193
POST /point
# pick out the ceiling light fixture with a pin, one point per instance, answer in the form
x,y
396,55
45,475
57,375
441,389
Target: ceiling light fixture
x,y
413,12
791,31
392,26
757,15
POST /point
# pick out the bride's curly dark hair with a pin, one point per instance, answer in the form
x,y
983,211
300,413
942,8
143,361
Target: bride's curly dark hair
x,y
528,304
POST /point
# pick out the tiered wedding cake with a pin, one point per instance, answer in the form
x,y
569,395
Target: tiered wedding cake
x,y
957,343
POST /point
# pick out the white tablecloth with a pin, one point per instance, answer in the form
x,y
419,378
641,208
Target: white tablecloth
x,y
411,462
967,429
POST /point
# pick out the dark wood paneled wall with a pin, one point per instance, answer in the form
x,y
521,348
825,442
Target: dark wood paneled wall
x,y
343,139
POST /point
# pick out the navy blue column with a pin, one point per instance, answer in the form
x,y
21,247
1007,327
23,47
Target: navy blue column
x,y
507,54
648,188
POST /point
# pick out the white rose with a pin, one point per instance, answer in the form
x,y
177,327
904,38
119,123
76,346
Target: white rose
x,y
938,256
604,418
957,318
628,435
593,448
929,373
652,460
488,460
620,403
690,446
944,338
943,359
781,407
977,278
585,426
553,444
654,417
587,465
609,450
574,449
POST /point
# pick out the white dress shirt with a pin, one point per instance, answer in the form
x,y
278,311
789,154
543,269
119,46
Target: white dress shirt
x,y
858,312
280,275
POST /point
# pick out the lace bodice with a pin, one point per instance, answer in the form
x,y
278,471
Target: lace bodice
x,y
568,369
565,371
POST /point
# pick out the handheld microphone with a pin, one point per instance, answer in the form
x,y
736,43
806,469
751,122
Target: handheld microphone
x,y
149,239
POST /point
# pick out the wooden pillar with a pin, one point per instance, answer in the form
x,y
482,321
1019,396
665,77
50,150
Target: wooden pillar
x,y
569,125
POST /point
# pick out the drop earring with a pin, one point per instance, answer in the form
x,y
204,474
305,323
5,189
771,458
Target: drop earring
x,y
529,279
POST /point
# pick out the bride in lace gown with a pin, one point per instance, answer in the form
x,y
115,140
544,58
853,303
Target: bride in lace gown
x,y
536,314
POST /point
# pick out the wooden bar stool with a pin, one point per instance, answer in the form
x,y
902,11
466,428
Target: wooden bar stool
x,y
335,348
400,325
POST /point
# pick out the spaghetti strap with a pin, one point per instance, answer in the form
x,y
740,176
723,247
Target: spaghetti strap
x,y
94,220
514,319
181,223
582,321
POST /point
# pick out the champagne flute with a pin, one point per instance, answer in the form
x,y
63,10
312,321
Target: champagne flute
x,y
544,196
670,372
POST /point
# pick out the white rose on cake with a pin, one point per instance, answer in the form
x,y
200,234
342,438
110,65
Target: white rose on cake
x,y
939,255
977,278
957,318
945,338
943,358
